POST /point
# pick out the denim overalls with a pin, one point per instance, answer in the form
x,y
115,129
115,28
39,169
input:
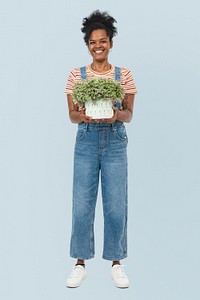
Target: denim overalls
x,y
100,150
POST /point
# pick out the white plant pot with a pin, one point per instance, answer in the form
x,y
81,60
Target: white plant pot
x,y
100,109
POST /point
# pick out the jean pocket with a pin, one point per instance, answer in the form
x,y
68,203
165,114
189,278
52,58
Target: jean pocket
x,y
121,133
81,133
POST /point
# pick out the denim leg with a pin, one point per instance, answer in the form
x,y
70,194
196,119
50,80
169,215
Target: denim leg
x,y
114,193
85,188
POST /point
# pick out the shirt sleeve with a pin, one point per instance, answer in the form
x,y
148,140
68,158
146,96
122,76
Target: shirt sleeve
x,y
71,81
128,82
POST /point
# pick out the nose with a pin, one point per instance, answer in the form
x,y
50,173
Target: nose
x,y
98,44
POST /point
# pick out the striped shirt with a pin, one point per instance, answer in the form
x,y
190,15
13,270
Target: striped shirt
x,y
126,79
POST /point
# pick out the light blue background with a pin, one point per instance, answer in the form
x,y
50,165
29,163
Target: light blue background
x,y
40,42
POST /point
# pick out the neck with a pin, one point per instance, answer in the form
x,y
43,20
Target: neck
x,y
100,66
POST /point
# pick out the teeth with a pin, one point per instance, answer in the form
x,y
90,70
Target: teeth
x,y
98,51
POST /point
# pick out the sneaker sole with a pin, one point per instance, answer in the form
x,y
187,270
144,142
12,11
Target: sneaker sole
x,y
121,286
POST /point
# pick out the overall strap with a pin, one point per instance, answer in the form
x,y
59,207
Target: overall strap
x,y
117,73
117,78
83,73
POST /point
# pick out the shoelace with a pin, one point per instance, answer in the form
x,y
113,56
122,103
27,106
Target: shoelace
x,y
75,272
120,271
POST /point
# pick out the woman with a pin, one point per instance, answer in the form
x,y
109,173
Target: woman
x,y
100,149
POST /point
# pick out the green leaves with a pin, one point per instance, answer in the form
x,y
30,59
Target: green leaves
x,y
97,89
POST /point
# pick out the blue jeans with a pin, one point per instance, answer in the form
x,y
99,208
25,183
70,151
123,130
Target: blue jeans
x,y
100,149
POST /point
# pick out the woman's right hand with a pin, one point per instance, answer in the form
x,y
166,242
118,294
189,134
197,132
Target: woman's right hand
x,y
84,118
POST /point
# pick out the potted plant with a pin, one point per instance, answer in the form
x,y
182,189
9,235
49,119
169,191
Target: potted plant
x,y
98,95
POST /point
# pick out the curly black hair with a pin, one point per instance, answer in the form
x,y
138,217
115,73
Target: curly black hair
x,y
98,20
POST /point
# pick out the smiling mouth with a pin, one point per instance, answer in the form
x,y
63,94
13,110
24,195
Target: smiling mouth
x,y
98,51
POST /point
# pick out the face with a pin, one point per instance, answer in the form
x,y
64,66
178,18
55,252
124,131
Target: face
x,y
99,45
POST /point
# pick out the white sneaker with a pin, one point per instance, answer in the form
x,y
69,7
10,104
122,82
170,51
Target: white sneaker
x,y
77,275
119,277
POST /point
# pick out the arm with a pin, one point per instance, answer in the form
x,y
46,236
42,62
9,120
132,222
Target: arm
x,y
126,114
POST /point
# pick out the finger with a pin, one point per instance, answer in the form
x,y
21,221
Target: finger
x,y
87,117
115,108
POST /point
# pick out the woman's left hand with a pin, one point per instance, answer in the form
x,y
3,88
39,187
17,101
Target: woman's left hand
x,y
114,117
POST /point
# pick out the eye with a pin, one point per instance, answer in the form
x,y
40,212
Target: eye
x,y
91,42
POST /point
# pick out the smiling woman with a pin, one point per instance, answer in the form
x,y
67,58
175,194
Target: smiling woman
x,y
101,148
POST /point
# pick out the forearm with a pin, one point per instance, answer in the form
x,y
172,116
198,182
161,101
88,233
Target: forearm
x,y
75,116
124,115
